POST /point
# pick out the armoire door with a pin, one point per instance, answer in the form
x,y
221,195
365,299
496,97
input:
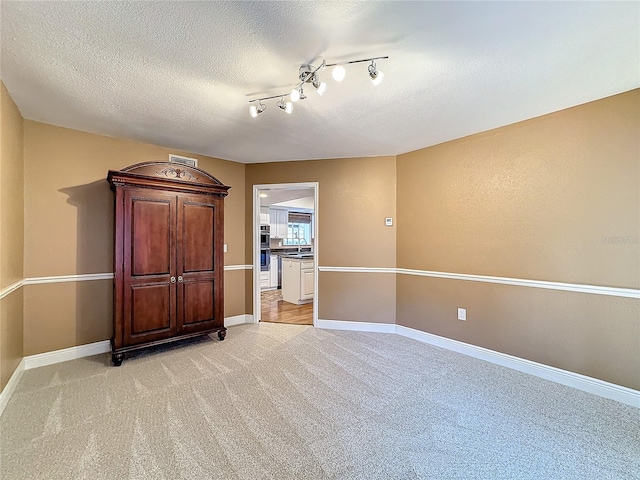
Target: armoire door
x,y
199,269
149,278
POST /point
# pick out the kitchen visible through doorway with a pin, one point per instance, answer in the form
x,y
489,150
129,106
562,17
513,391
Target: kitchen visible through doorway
x,y
285,266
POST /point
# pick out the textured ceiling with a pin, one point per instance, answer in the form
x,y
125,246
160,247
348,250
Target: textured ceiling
x,y
285,195
180,74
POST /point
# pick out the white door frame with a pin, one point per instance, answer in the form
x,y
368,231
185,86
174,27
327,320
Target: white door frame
x,y
256,244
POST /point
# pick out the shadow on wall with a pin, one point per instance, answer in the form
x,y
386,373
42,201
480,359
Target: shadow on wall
x,y
94,254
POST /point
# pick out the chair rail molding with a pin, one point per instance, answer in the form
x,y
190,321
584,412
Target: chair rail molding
x,y
84,277
11,288
519,282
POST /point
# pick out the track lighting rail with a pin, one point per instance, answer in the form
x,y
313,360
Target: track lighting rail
x,y
309,74
356,61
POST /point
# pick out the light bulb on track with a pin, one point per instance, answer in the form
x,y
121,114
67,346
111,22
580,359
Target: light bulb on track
x,y
320,87
338,73
376,75
286,106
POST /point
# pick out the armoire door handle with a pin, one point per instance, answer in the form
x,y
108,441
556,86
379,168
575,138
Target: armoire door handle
x,y
173,279
180,278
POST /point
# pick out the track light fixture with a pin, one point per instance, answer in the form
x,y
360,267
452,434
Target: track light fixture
x,y
375,74
286,106
297,93
320,87
255,111
310,74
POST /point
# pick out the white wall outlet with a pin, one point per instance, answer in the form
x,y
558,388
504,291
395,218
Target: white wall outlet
x,y
388,221
462,314
225,248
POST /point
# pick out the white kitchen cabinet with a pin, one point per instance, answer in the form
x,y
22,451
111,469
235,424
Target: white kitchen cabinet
x,y
264,280
273,272
297,280
279,221
273,223
265,217
307,283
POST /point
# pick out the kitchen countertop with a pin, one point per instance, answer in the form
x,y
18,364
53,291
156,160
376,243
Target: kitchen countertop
x,y
293,252
297,256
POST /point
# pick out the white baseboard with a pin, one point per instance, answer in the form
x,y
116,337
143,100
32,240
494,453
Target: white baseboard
x,y
564,377
238,320
73,353
356,326
11,385
595,386
66,354
581,382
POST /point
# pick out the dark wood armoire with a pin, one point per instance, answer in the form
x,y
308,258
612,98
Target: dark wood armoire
x,y
168,261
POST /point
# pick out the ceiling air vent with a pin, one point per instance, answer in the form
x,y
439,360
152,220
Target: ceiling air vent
x,y
191,162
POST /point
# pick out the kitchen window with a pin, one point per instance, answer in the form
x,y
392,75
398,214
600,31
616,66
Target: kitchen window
x,y
299,231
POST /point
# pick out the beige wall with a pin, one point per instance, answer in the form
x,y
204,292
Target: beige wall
x,y
63,315
594,335
11,234
11,191
69,230
535,200
554,198
357,297
355,196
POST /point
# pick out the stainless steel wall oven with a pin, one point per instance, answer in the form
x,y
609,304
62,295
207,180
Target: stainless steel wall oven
x,y
265,250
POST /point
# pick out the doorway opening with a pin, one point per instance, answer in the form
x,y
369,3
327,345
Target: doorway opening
x,y
285,246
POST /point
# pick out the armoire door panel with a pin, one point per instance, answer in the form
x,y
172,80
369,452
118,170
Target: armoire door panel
x,y
149,311
196,223
198,303
151,237
148,241
150,308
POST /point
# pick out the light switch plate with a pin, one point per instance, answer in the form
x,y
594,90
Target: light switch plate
x,y
388,221
225,248
462,314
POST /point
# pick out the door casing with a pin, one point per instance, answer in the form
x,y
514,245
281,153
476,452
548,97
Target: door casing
x,y
256,244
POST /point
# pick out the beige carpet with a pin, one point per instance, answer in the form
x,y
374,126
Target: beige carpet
x,y
290,402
